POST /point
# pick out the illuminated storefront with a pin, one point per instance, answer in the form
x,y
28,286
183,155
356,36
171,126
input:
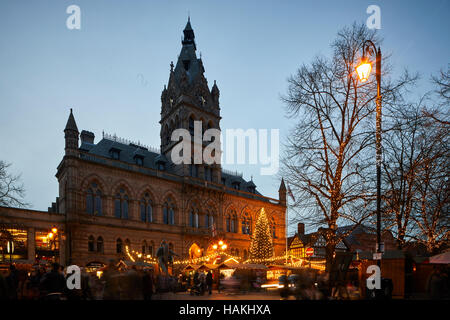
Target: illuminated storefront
x,y
13,243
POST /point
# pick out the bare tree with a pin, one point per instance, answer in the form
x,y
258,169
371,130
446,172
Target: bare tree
x,y
441,113
12,190
403,157
329,155
432,201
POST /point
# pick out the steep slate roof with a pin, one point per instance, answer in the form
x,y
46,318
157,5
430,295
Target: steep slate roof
x,y
352,238
150,159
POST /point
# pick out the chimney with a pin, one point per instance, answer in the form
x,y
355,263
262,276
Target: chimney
x,y
87,136
301,228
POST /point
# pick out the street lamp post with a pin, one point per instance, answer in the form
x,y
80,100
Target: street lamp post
x,y
52,236
363,71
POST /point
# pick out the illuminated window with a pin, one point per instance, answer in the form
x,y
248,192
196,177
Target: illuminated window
x,y
18,236
246,224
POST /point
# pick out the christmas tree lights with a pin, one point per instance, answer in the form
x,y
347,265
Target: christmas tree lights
x,y
261,247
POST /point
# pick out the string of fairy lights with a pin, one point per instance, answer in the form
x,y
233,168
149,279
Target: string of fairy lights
x,y
261,251
212,257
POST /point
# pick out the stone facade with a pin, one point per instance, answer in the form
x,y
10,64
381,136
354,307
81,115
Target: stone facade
x,y
115,193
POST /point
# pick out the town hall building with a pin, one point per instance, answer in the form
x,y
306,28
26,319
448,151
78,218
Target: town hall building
x,y
114,193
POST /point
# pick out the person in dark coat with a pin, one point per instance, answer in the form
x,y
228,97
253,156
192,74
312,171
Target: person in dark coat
x,y
13,282
53,283
437,284
147,287
209,281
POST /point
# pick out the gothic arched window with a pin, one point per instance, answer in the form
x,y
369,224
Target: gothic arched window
x,y
193,218
246,224
91,244
168,212
209,219
100,245
119,247
150,248
146,208
232,222
272,227
191,125
94,200
144,246
121,205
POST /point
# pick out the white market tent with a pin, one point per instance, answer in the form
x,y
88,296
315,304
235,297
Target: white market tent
x,y
443,258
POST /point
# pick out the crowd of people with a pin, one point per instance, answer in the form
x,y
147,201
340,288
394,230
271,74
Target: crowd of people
x,y
50,283
115,282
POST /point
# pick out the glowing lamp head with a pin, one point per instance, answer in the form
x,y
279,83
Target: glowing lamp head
x,y
224,247
54,230
220,242
50,235
215,246
363,70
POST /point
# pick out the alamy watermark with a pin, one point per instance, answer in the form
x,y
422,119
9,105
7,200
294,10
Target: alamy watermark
x,y
191,148
374,20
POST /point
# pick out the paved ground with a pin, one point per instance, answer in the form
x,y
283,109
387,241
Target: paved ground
x,y
218,296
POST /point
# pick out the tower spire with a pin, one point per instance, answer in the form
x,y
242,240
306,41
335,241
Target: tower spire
x,y
71,135
189,37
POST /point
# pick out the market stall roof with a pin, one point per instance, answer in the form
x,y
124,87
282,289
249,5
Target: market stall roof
x,y
242,266
191,267
283,267
211,266
443,258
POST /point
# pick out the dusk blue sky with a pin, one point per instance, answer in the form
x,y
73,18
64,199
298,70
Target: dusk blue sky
x,y
112,71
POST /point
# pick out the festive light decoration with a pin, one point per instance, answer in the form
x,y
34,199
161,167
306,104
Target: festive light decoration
x,y
261,246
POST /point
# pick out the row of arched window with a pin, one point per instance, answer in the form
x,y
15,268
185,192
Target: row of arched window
x,y
196,220
195,217
231,222
121,205
95,245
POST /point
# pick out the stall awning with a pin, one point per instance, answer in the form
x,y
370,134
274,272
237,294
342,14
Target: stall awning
x,y
442,258
252,266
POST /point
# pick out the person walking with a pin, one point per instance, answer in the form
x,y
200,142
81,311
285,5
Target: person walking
x,y
53,283
13,282
110,279
147,287
209,281
436,284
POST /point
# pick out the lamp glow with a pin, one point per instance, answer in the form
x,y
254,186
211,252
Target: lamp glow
x,y
363,70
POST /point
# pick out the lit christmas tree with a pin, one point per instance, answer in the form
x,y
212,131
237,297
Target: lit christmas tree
x,y
261,246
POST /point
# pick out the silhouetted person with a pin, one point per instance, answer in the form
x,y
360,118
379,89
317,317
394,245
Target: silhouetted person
x,y
209,281
13,282
436,284
53,283
147,285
